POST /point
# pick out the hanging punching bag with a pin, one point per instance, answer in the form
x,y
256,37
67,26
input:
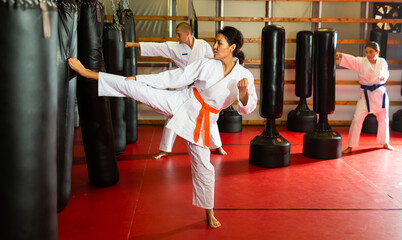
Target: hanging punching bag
x,y
95,117
126,18
113,51
322,142
270,149
28,119
370,124
302,119
67,84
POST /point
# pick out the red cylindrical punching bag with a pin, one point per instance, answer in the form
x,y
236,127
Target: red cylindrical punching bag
x,y
270,142
302,119
95,116
126,18
113,51
67,84
28,119
323,142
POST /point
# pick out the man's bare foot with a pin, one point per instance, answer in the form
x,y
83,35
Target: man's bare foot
x,y
221,151
159,155
389,147
347,150
212,221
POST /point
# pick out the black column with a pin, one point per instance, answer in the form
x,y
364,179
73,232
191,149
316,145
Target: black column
x,y
270,149
28,120
95,116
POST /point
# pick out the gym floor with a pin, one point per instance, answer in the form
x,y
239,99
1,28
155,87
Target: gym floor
x,y
355,197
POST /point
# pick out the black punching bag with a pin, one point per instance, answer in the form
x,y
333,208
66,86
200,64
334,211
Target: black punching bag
x,y
67,84
302,119
28,119
322,142
370,124
126,18
95,117
113,51
270,149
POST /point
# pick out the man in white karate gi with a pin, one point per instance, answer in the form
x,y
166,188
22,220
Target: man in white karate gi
x,y
184,52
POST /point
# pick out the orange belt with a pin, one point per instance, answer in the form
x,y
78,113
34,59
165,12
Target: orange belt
x,y
204,113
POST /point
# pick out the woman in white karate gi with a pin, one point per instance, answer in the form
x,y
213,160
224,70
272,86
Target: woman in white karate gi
x,y
184,52
217,83
372,74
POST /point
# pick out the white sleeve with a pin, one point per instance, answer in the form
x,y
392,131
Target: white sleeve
x,y
153,49
349,61
384,70
175,78
208,51
252,97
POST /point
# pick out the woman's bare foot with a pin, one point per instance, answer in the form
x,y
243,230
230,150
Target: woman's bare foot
x,y
347,150
159,155
389,147
221,151
212,221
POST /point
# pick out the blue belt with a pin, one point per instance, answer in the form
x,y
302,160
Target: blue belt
x,y
372,88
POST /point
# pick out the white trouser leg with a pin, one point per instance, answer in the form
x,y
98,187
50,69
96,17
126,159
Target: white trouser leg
x,y
383,126
357,123
215,139
167,140
203,175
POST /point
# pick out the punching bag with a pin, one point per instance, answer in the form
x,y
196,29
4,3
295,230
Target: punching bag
x,y
113,51
126,18
302,119
67,84
94,111
270,149
370,124
28,119
322,142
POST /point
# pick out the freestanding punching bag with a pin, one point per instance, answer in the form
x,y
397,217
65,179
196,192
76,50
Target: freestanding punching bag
x,y
67,85
95,116
322,142
397,119
270,149
126,18
302,119
28,119
370,124
113,51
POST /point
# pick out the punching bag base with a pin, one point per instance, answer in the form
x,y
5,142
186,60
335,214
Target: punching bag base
x,y
269,152
230,123
301,121
397,121
370,124
322,145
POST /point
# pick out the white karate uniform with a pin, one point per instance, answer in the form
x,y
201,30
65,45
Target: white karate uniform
x,y
369,74
182,55
183,108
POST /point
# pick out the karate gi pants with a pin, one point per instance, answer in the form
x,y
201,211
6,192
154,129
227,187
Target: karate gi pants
x,y
358,119
202,171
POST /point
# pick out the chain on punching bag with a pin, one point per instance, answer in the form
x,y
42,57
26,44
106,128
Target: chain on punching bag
x,y
28,113
302,119
126,18
95,117
113,50
67,84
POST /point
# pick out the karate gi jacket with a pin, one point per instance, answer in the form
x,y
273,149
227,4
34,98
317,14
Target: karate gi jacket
x,y
180,53
369,75
217,91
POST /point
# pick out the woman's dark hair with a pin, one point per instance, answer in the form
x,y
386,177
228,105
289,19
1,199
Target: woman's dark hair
x,y
234,36
373,45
